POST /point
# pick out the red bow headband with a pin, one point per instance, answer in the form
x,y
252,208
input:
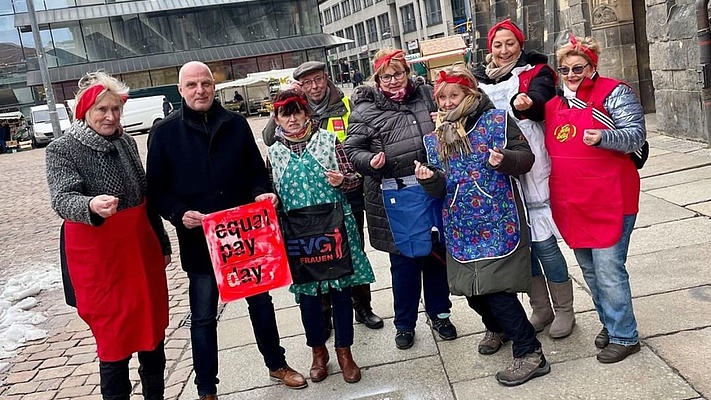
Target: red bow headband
x,y
385,60
459,80
293,99
508,25
585,49
88,98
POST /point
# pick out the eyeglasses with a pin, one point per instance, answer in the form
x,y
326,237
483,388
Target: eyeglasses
x,y
387,78
310,82
577,70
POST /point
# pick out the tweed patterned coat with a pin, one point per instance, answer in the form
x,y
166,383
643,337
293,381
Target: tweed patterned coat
x,y
82,164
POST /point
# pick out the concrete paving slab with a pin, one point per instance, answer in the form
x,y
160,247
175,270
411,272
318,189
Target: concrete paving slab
x,y
685,193
242,368
642,376
673,312
463,362
425,379
675,178
655,151
701,208
653,210
670,235
671,162
673,144
689,353
238,332
665,271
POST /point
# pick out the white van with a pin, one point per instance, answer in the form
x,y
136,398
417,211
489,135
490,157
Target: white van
x,y
42,127
141,113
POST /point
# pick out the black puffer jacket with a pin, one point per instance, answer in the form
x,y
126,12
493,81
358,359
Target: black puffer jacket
x,y
540,90
379,124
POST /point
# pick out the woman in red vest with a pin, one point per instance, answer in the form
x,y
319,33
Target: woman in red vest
x,y
113,245
592,130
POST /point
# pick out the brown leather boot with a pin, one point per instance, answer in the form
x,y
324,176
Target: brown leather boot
x,y
351,372
319,368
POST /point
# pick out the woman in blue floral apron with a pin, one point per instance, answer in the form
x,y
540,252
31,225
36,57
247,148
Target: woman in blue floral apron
x,y
310,172
475,153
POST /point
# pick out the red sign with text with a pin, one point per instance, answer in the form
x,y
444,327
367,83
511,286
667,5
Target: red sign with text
x,y
247,250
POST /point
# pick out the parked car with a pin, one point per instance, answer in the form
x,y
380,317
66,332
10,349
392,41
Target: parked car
x,y
141,113
41,127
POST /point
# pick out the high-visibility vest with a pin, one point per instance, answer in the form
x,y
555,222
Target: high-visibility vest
x,y
338,125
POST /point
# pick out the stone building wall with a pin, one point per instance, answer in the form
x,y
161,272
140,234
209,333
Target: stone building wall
x,y
674,61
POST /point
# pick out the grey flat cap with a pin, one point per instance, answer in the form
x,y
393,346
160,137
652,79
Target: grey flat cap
x,y
308,66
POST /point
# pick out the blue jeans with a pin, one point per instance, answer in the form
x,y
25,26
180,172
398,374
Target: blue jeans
x,y
548,254
605,273
502,312
408,276
311,317
203,330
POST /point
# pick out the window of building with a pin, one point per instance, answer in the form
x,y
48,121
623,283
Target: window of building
x,y
385,28
54,4
434,12
356,5
293,59
327,16
360,34
336,12
243,66
346,7
98,39
212,27
165,76
407,14
141,34
459,9
350,35
68,45
6,7
341,35
186,33
269,62
372,30
137,80
367,3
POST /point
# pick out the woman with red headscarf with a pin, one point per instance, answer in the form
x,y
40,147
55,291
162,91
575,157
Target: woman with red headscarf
x,y
112,243
521,82
384,140
594,129
310,173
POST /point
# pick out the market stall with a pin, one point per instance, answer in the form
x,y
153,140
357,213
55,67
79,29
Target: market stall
x,y
253,94
13,131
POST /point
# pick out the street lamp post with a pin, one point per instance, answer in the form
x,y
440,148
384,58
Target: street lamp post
x,y
44,71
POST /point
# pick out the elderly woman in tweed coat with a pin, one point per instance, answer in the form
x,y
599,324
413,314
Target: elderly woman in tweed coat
x,y
113,245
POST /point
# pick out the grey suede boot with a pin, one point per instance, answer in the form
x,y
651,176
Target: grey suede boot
x,y
562,295
542,311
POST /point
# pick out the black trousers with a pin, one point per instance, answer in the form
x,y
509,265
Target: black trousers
x,y
359,294
115,384
502,312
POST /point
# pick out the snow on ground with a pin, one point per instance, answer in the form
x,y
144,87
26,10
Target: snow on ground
x,y
17,321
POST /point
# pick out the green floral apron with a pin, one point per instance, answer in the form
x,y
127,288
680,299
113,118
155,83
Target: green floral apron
x,y
301,181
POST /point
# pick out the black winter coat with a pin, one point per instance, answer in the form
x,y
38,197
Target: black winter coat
x,y
540,90
378,124
202,162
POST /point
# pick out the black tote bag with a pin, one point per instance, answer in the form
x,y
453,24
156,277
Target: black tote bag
x,y
317,243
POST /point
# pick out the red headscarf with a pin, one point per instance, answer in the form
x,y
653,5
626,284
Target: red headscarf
x,y
88,98
292,99
508,25
585,49
385,60
444,78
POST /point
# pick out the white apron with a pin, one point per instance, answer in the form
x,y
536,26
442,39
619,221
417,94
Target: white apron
x,y
535,183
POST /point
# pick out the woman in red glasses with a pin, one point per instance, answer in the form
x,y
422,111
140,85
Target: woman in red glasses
x,y
384,140
594,129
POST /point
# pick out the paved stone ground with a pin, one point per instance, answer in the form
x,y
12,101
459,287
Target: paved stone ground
x,y
668,267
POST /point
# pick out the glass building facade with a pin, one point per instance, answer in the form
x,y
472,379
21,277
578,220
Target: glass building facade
x,y
145,42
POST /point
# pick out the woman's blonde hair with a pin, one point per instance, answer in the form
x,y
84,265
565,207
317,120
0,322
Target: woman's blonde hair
x,y
578,49
400,61
112,86
458,70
